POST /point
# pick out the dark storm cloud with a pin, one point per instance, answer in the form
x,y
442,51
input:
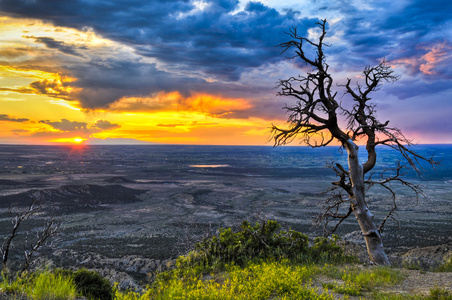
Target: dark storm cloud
x,y
189,42
412,34
223,45
105,82
211,39
396,31
54,44
4,117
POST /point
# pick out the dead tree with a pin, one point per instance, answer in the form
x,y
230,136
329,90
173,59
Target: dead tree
x,y
49,230
18,216
316,120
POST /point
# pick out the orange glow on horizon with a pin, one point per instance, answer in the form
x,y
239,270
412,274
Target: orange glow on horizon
x,y
73,140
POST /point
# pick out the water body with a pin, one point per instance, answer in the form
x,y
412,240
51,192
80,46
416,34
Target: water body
x,y
151,201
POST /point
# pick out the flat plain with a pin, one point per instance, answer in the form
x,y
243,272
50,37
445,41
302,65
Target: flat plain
x,y
132,208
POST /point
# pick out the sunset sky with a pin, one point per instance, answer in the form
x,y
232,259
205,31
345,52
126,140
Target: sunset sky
x,y
205,72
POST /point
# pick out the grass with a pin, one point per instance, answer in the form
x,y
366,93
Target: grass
x,y
262,280
446,267
270,280
256,280
48,286
256,262
280,280
39,286
435,294
353,281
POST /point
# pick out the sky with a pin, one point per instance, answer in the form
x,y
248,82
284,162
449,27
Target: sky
x,y
206,71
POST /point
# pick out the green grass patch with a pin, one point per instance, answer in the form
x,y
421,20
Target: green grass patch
x,y
446,267
270,280
39,286
353,280
380,295
440,294
46,286
263,280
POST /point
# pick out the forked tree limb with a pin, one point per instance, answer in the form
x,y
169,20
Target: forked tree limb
x,y
317,119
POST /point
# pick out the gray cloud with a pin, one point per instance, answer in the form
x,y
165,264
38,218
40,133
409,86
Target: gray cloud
x,y
213,40
4,117
80,127
105,125
54,44
66,125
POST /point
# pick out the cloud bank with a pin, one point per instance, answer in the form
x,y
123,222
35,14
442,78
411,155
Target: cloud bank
x,y
219,56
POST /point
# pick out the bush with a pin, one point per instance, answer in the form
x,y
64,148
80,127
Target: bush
x,y
251,242
260,242
327,250
92,285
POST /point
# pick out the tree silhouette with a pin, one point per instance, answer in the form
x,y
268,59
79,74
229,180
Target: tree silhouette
x,y
317,119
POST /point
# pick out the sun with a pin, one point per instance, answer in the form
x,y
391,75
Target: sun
x,y
78,140
72,140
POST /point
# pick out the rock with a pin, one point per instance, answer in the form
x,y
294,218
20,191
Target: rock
x,y
356,250
427,258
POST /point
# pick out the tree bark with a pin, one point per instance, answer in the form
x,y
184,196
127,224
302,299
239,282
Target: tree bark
x,y
365,219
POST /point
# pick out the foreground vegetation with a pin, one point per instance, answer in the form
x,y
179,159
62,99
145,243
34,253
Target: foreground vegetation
x,y
255,262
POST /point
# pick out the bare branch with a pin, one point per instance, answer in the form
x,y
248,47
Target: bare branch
x,y
314,120
17,217
50,229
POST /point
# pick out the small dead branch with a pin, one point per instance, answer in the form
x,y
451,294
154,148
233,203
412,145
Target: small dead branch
x,y
18,216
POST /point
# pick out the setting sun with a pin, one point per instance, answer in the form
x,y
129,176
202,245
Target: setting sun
x,y
78,140
75,140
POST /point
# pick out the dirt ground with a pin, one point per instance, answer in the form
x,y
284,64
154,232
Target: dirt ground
x,y
421,282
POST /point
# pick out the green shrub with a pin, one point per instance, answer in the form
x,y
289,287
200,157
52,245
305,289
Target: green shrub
x,y
92,285
250,242
327,250
260,242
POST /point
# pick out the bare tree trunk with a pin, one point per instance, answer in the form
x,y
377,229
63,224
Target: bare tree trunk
x,y
314,119
365,218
